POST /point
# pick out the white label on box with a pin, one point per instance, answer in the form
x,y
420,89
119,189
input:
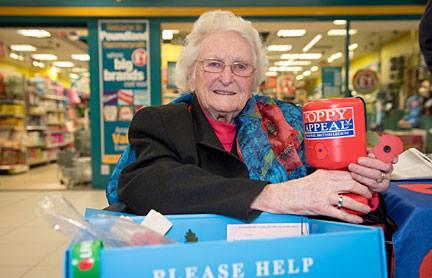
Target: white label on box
x,y
270,230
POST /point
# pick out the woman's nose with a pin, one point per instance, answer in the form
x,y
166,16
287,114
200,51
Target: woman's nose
x,y
226,75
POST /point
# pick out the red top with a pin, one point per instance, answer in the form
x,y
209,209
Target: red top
x,y
225,132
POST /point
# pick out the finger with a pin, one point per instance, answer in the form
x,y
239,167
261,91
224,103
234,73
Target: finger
x,y
352,204
355,187
374,163
370,172
344,216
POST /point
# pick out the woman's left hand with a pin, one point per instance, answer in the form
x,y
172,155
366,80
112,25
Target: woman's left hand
x,y
372,172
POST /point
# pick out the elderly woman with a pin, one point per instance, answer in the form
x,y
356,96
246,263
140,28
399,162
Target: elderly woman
x,y
222,150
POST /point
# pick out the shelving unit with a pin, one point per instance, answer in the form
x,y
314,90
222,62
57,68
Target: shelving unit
x,y
12,131
46,121
32,124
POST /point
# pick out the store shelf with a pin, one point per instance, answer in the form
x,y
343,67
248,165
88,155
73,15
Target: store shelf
x,y
11,101
16,128
54,97
59,145
15,169
36,146
12,116
12,148
35,127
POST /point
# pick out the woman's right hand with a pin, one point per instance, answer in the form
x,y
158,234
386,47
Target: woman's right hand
x,y
316,194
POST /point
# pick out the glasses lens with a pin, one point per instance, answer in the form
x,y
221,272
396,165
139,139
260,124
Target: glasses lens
x,y
241,69
213,65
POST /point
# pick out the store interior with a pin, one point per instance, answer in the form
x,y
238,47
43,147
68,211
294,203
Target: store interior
x,y
44,107
45,91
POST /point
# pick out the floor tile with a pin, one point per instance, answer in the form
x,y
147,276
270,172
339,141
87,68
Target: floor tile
x,y
33,235
25,254
15,271
44,272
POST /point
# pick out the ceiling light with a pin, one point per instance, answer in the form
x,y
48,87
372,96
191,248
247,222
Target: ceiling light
x,y
16,56
22,47
73,76
81,57
291,33
79,70
299,77
341,32
334,57
38,64
314,68
63,64
312,43
292,63
301,56
271,73
44,57
353,46
279,47
169,34
34,33
307,73
339,22
291,69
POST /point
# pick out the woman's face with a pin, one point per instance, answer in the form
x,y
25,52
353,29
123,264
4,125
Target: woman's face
x,y
223,95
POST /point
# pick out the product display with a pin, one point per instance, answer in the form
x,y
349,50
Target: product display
x,y
32,123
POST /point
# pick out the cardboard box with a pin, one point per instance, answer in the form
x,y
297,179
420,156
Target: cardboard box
x,y
331,250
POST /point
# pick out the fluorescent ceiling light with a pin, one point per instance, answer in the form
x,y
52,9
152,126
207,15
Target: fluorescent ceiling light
x,y
22,47
73,76
34,33
353,46
63,64
301,56
291,33
169,34
314,68
334,57
307,73
81,57
299,77
291,69
79,70
271,73
16,56
44,57
341,32
293,63
312,43
38,64
279,47
339,22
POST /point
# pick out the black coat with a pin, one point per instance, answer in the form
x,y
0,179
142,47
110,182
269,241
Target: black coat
x,y
182,167
425,35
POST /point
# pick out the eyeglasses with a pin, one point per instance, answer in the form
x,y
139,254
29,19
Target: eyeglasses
x,y
237,68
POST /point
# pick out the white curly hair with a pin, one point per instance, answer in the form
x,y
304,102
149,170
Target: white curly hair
x,y
213,22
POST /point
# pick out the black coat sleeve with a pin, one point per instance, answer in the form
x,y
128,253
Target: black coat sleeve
x,y
425,35
167,177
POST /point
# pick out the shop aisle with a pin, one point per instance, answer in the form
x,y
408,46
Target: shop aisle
x,y
45,177
29,248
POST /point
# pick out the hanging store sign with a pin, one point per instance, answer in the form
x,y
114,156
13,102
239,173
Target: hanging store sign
x,y
124,80
365,81
331,81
